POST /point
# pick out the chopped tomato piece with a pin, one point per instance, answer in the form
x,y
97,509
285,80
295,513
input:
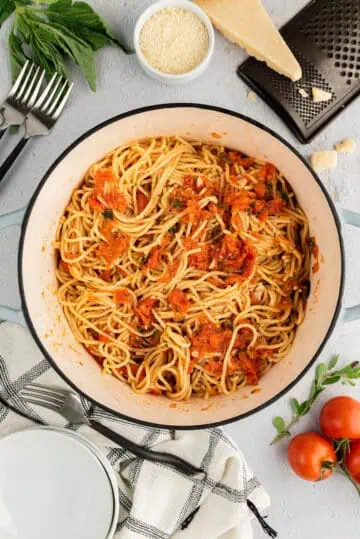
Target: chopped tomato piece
x,y
111,250
115,200
243,338
179,301
236,255
202,259
267,172
171,272
260,190
239,200
236,157
95,204
104,338
64,266
107,189
144,311
154,391
122,296
133,367
154,258
248,366
210,338
275,206
141,201
214,366
106,275
264,215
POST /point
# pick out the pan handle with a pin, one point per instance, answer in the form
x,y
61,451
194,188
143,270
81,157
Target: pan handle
x,y
348,217
12,219
6,221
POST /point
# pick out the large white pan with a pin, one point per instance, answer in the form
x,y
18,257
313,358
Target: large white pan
x,y
36,263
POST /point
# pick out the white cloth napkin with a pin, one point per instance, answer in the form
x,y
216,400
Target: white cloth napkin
x,y
156,502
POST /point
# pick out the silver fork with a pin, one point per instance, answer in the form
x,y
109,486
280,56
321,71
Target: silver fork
x,y
22,96
42,116
68,404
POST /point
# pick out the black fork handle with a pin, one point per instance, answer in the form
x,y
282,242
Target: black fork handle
x,y
147,454
11,158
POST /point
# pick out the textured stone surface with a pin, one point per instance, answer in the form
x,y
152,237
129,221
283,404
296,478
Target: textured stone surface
x,y
328,510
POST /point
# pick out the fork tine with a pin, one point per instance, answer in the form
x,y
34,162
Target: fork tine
x,y
19,94
62,103
45,395
51,96
57,98
45,93
40,402
41,396
55,391
31,85
19,79
35,93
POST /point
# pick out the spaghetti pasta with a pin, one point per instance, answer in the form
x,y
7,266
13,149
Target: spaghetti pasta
x,y
184,267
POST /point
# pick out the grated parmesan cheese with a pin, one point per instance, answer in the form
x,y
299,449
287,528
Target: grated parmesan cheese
x,y
252,96
320,95
345,146
324,160
303,92
174,40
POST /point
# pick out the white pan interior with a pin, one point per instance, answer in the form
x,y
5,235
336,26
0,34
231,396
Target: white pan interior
x,y
37,264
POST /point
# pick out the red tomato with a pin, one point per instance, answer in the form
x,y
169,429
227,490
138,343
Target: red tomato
x,y
340,418
307,453
352,460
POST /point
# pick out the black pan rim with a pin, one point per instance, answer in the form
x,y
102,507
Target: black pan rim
x,y
38,339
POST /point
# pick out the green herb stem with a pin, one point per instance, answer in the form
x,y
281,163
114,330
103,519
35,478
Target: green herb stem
x,y
325,375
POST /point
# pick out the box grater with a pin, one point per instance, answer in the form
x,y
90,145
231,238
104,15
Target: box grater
x,y
325,38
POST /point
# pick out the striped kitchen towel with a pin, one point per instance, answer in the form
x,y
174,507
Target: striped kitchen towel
x,y
156,502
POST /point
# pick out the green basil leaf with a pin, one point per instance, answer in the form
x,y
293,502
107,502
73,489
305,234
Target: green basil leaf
x,y
295,405
333,362
17,55
81,19
332,380
47,55
320,374
7,7
60,40
303,407
279,424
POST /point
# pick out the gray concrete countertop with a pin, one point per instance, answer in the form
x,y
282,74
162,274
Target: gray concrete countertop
x,y
328,510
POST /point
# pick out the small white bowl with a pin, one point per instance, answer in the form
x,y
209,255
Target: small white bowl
x,y
168,77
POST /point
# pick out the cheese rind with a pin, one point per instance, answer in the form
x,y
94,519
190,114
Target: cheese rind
x,y
347,145
324,160
320,95
247,23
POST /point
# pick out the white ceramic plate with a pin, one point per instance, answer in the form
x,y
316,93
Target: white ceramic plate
x,y
52,485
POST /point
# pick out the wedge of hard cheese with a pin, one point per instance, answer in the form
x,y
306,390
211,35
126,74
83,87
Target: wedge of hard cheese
x,y
247,23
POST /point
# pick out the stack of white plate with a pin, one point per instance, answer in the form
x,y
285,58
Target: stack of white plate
x,y
54,484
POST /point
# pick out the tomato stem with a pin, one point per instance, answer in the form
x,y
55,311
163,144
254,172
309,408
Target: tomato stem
x,y
344,471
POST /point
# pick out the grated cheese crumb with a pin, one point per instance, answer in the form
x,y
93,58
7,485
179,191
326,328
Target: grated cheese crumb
x,y
252,96
174,40
320,95
324,160
347,145
303,92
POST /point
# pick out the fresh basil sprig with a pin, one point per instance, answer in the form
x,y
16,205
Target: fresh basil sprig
x,y
55,31
325,375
